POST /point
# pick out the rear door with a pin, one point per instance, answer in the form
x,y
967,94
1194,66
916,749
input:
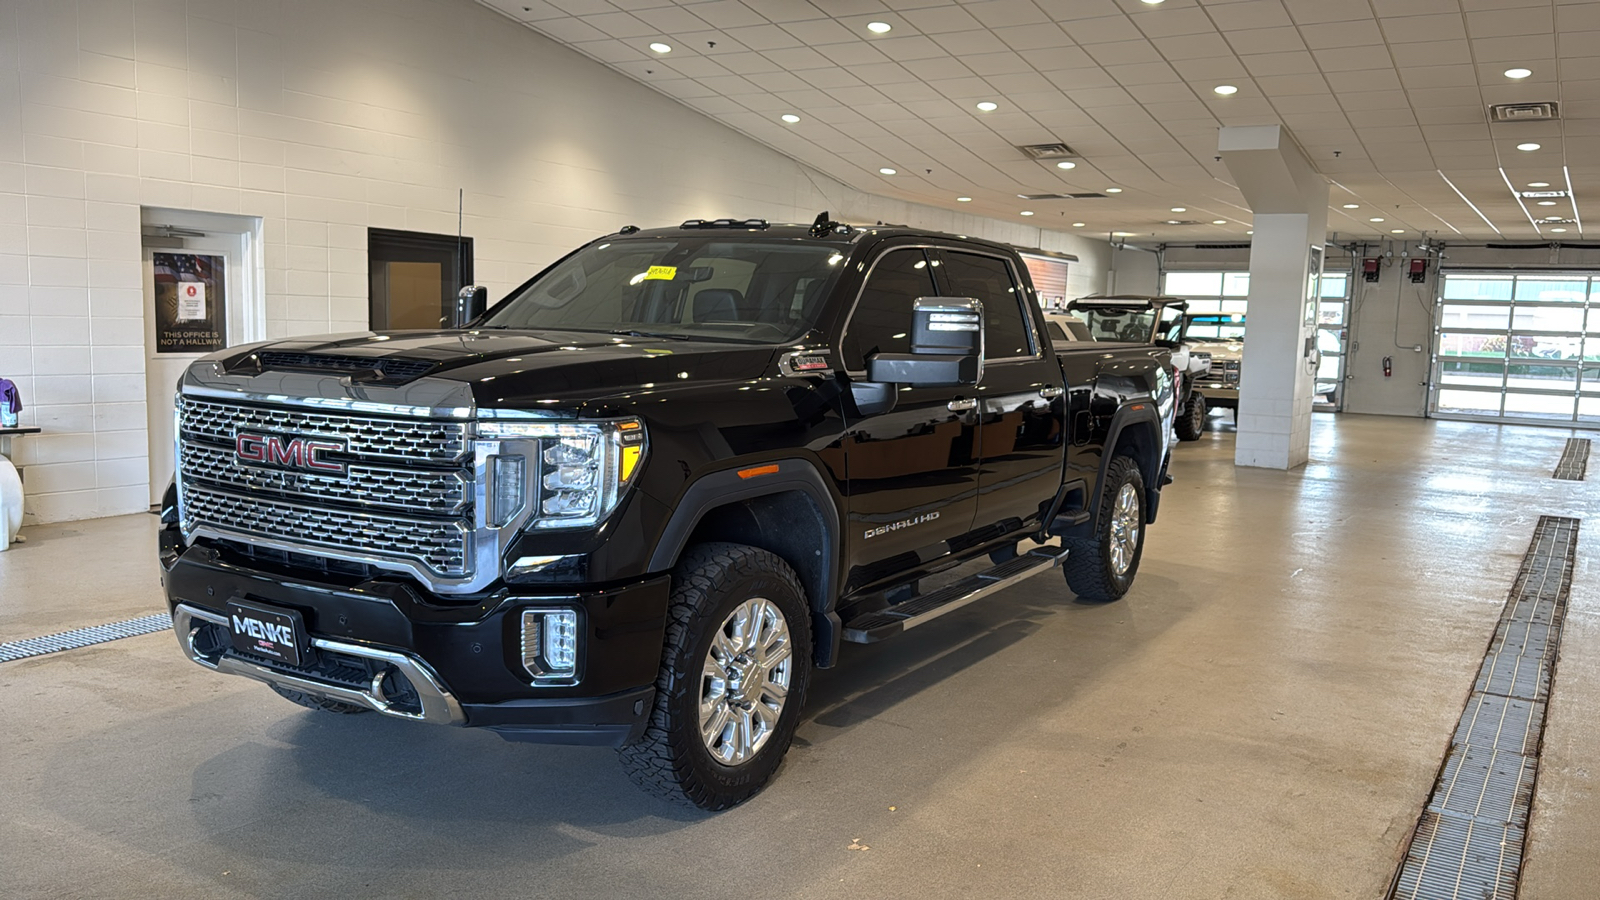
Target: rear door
x,y
913,469
1021,400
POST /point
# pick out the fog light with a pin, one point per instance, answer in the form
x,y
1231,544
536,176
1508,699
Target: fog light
x,y
550,645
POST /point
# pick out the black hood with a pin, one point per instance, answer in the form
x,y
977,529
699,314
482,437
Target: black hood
x,y
512,368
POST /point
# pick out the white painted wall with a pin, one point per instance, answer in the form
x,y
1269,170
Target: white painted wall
x,y
324,118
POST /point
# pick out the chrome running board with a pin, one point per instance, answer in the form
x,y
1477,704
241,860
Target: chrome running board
x,y
875,626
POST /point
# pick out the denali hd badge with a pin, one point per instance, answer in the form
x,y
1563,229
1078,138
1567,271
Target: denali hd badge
x,y
904,523
292,453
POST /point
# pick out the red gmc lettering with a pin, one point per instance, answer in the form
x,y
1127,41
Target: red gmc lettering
x,y
296,452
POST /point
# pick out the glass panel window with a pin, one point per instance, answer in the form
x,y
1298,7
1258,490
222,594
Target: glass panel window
x,y
1527,346
1335,285
1234,306
882,319
1589,407
1477,402
1461,316
1183,284
988,278
1206,305
1548,318
1540,377
1236,284
1455,344
1563,290
1477,372
1477,287
1539,406
1331,312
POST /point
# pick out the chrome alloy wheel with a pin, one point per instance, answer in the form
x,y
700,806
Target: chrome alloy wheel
x,y
745,681
1125,527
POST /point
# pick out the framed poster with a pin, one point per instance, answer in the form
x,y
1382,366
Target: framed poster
x,y
191,302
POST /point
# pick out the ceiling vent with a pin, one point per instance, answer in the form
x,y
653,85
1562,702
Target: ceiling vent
x,y
1524,112
1043,196
1088,196
1182,222
1046,151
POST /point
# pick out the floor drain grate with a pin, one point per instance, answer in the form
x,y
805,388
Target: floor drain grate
x,y
1574,460
1469,841
83,637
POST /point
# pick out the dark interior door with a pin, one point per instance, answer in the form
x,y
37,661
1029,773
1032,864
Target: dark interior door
x,y
913,469
413,277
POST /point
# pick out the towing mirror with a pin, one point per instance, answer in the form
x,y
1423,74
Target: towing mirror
x,y
470,304
946,346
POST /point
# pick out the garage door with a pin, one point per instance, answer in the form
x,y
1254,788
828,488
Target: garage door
x,y
1518,346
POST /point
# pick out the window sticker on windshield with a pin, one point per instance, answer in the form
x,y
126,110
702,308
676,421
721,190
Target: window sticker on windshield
x,y
661,273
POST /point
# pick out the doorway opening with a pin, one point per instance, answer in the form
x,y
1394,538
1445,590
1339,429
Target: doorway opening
x,y
413,277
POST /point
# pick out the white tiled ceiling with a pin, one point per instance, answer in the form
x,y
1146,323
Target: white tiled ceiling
x,y
1388,98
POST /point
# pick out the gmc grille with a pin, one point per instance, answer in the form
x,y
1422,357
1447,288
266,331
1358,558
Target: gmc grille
x,y
421,512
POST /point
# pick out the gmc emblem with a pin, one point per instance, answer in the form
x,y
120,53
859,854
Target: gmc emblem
x,y
295,453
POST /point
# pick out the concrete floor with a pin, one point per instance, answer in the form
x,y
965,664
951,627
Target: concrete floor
x,y
1262,716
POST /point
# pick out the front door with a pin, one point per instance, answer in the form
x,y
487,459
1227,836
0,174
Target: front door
x,y
1020,436
913,472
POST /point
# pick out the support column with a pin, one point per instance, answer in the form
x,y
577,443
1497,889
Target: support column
x,y
1289,200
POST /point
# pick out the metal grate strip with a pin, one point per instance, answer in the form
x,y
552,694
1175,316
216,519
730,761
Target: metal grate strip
x,y
1469,841
84,637
1574,462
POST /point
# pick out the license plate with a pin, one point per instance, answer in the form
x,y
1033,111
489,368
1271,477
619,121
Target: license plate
x,y
271,632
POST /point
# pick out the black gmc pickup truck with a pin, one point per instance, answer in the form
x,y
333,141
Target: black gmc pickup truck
x,y
637,501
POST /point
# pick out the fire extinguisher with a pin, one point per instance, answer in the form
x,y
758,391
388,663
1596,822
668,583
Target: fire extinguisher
x,y
1388,366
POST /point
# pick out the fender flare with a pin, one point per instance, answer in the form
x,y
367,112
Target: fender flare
x,y
1150,468
724,487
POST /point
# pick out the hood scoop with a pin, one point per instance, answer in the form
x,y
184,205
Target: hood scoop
x,y
388,370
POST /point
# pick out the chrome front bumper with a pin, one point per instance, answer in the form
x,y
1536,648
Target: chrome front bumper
x,y
439,706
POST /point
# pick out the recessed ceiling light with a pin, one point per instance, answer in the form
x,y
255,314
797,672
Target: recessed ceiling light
x,y
1397,231
1375,219
1077,224
878,27
1113,190
661,48
1153,2
988,106
1538,184
1225,89
1066,164
1180,209
1219,221
1559,230
1026,212
1528,146
1249,232
1122,234
963,199
1518,73
886,171
1547,203
1352,206
791,118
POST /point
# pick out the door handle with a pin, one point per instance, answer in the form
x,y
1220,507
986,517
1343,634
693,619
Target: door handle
x,y
961,405
1050,392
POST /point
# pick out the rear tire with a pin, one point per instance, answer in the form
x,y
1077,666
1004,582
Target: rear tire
x,y
1191,423
1102,568
733,678
312,701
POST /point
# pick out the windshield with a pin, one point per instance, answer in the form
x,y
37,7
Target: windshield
x,y
1133,326
1220,327
757,291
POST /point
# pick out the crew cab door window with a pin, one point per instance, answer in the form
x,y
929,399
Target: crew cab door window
x,y
1006,333
881,322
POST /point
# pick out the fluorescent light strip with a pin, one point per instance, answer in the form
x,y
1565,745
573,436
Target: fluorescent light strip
x,y
1515,193
1469,202
1577,219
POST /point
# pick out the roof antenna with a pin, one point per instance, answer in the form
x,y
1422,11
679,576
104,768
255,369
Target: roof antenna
x,y
820,227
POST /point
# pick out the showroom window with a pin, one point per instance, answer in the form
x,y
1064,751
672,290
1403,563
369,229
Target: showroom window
x,y
413,277
1522,346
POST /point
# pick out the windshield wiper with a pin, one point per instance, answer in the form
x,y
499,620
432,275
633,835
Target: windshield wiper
x,y
649,334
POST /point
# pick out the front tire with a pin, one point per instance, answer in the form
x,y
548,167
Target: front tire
x,y
1191,422
733,677
1102,568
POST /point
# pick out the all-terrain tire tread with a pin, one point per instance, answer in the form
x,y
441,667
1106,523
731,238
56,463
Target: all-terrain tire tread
x,y
1086,569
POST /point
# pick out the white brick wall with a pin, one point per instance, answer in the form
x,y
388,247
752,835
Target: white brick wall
x,y
323,118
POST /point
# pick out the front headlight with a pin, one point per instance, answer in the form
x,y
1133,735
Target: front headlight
x,y
581,469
